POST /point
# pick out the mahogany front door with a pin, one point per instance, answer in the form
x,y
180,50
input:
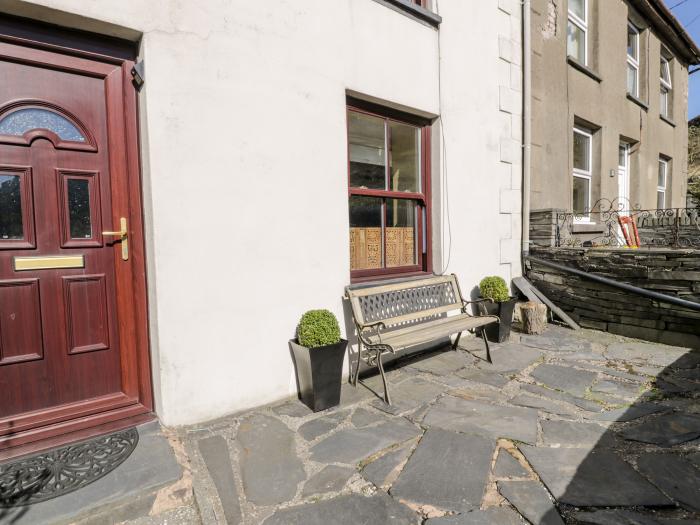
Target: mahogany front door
x,y
73,351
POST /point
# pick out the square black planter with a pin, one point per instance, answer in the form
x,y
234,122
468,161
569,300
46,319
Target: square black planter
x,y
319,373
500,332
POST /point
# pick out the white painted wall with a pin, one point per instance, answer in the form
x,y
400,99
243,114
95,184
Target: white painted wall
x,y
245,167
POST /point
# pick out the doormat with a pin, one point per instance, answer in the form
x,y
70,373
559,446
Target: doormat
x,y
62,470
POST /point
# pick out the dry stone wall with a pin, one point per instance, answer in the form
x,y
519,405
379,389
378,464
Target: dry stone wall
x,y
603,307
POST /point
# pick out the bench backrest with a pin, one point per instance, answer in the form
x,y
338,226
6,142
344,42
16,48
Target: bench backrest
x,y
406,301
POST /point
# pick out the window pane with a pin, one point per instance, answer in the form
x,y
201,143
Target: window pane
x,y
631,80
660,200
405,157
581,151
79,208
578,7
632,39
400,232
662,175
622,156
576,42
665,71
663,103
367,151
581,193
10,208
365,233
19,122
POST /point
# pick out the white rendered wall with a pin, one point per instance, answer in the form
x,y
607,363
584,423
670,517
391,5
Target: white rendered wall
x,y
245,168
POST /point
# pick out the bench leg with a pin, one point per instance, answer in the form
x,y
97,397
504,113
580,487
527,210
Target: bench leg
x,y
387,399
356,375
454,345
486,342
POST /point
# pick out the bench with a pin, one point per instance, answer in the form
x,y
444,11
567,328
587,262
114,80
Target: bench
x,y
391,317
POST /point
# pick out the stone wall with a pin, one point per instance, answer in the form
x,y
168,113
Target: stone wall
x,y
603,307
543,226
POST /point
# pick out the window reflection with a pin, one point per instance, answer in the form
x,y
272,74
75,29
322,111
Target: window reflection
x,y
11,227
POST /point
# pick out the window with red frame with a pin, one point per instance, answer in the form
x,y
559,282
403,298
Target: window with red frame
x,y
388,177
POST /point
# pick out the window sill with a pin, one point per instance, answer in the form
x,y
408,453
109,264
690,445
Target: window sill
x,y
638,101
390,278
667,121
584,69
414,11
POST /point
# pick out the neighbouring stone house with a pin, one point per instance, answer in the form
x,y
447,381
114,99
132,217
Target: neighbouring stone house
x,y
693,195
182,180
609,96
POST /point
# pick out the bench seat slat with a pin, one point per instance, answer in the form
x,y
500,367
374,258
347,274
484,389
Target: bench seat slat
x,y
430,331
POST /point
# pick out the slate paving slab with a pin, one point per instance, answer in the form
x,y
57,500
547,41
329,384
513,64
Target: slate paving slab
x,y
490,516
591,478
435,472
130,488
630,413
574,434
695,459
692,374
617,389
444,363
294,408
217,457
363,417
580,356
531,500
555,341
331,479
270,467
683,384
508,467
410,395
383,470
483,376
690,359
644,353
347,510
615,517
526,400
585,404
353,445
675,476
510,358
476,417
665,430
322,425
564,378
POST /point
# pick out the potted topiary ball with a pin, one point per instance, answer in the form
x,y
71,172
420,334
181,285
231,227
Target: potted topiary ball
x,y
501,304
318,354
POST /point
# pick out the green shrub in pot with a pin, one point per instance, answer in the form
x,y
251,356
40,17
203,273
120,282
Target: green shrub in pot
x,y
319,352
496,289
318,328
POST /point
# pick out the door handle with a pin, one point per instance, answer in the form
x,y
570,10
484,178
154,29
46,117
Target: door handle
x,y
123,235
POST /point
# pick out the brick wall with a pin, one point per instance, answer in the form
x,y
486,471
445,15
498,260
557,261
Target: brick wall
x,y
599,306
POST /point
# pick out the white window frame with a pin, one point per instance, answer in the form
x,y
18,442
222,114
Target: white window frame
x,y
634,62
583,174
666,87
662,189
582,24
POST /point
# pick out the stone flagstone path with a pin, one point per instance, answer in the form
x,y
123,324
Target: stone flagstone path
x,y
566,427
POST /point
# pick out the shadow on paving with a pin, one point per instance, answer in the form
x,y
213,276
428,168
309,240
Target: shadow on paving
x,y
643,469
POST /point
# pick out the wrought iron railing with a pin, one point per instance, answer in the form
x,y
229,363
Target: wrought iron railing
x,y
601,226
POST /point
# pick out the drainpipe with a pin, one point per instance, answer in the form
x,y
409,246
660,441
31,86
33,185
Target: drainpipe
x,y
527,125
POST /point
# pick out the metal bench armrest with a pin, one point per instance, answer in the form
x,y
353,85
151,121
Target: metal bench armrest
x,y
377,325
